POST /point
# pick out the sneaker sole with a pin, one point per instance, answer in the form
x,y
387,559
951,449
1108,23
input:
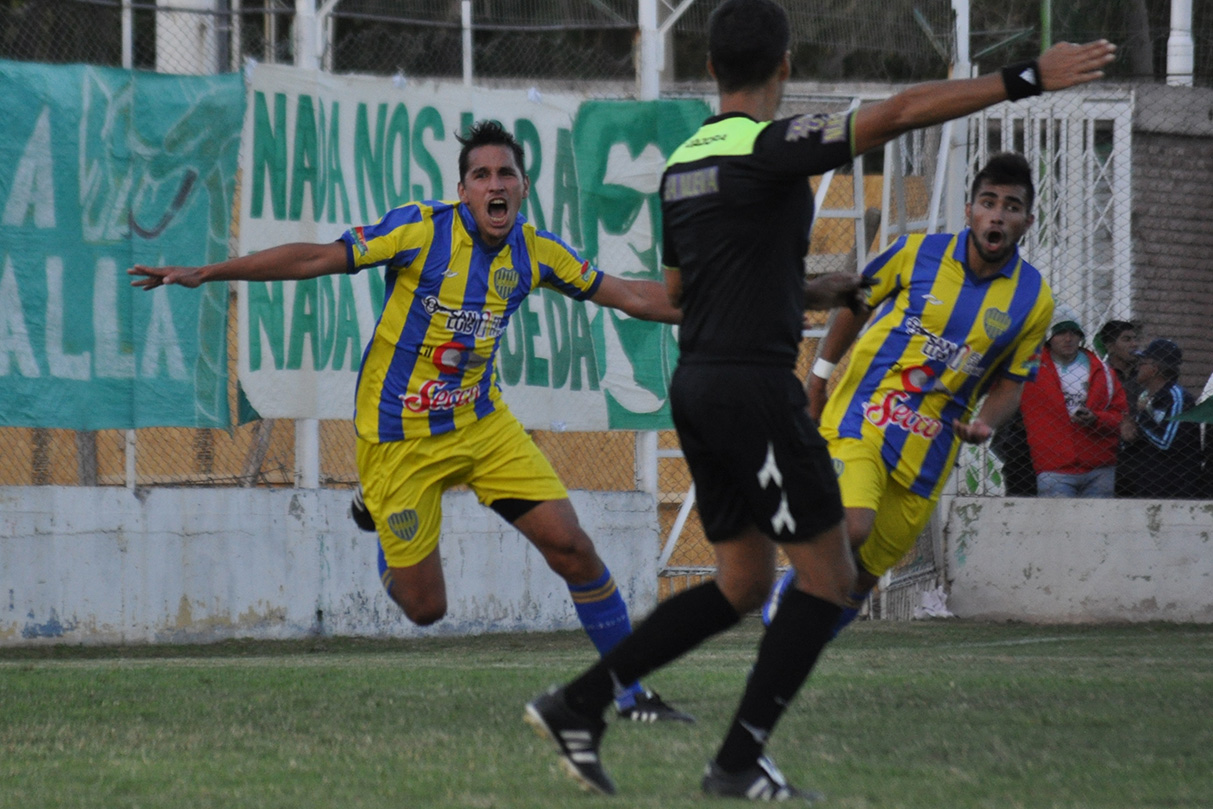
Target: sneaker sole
x,y
533,718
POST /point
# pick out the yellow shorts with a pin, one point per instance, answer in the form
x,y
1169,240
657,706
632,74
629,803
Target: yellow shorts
x,y
865,482
403,481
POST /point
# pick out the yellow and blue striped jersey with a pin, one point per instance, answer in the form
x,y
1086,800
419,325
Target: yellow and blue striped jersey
x,y
430,365
937,339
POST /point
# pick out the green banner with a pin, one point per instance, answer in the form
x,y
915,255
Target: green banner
x,y
101,169
621,148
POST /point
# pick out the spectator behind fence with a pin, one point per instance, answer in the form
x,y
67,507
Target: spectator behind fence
x,y
1072,413
1117,343
1010,445
1161,457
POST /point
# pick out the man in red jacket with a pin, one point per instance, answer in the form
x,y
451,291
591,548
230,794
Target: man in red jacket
x,y
1072,413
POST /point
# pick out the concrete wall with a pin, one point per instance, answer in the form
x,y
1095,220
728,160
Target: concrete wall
x,y
1080,560
107,565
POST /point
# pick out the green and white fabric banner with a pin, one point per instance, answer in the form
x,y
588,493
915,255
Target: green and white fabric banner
x,y
100,169
322,152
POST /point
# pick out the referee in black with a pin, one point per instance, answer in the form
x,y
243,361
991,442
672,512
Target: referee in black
x,y
737,209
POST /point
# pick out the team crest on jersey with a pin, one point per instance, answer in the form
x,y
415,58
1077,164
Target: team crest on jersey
x,y
839,467
505,281
404,524
997,322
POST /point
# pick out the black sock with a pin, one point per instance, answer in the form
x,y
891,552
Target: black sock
x,y
786,655
678,625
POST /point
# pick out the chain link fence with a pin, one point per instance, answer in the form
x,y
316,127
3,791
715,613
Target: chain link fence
x,y
1125,176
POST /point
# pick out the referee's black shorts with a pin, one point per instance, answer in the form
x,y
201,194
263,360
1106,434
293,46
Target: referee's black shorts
x,y
755,455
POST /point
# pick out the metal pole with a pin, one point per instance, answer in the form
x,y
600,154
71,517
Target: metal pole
x,y
958,156
307,453
1180,49
648,67
307,431
129,457
465,14
237,27
306,55
1046,25
128,35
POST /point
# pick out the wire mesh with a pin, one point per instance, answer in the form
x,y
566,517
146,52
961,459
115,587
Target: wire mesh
x,y
590,45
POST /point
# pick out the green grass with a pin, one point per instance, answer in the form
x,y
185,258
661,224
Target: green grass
x,y
937,715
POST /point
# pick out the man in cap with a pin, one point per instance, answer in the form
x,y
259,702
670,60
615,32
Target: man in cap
x,y
1073,412
1162,456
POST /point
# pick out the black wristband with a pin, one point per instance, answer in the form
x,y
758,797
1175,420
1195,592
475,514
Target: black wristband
x,y
1022,79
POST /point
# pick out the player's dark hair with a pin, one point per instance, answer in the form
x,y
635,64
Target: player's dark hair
x,y
747,40
1006,168
487,133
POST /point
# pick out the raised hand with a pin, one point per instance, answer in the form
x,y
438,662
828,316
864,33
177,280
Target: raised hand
x,y
1066,64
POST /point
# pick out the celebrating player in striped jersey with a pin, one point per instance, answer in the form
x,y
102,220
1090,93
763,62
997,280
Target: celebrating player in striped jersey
x,y
429,414
956,316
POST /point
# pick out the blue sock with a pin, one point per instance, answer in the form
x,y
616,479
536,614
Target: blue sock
x,y
384,575
777,593
781,588
604,617
848,614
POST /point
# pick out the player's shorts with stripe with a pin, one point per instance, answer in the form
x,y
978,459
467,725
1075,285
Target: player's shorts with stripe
x,y
754,453
403,481
901,515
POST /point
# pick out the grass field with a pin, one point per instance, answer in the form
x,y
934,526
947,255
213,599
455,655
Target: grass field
x,y
935,715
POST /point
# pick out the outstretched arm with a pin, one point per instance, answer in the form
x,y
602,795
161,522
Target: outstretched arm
x,y
1061,66
646,300
1001,403
287,262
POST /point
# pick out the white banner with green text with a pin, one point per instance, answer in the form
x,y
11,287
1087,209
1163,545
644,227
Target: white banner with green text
x,y
322,152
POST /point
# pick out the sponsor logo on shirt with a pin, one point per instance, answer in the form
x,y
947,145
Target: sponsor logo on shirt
x,y
695,143
922,379
437,395
359,244
805,125
894,410
453,357
404,524
466,321
957,357
690,184
833,127
505,281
